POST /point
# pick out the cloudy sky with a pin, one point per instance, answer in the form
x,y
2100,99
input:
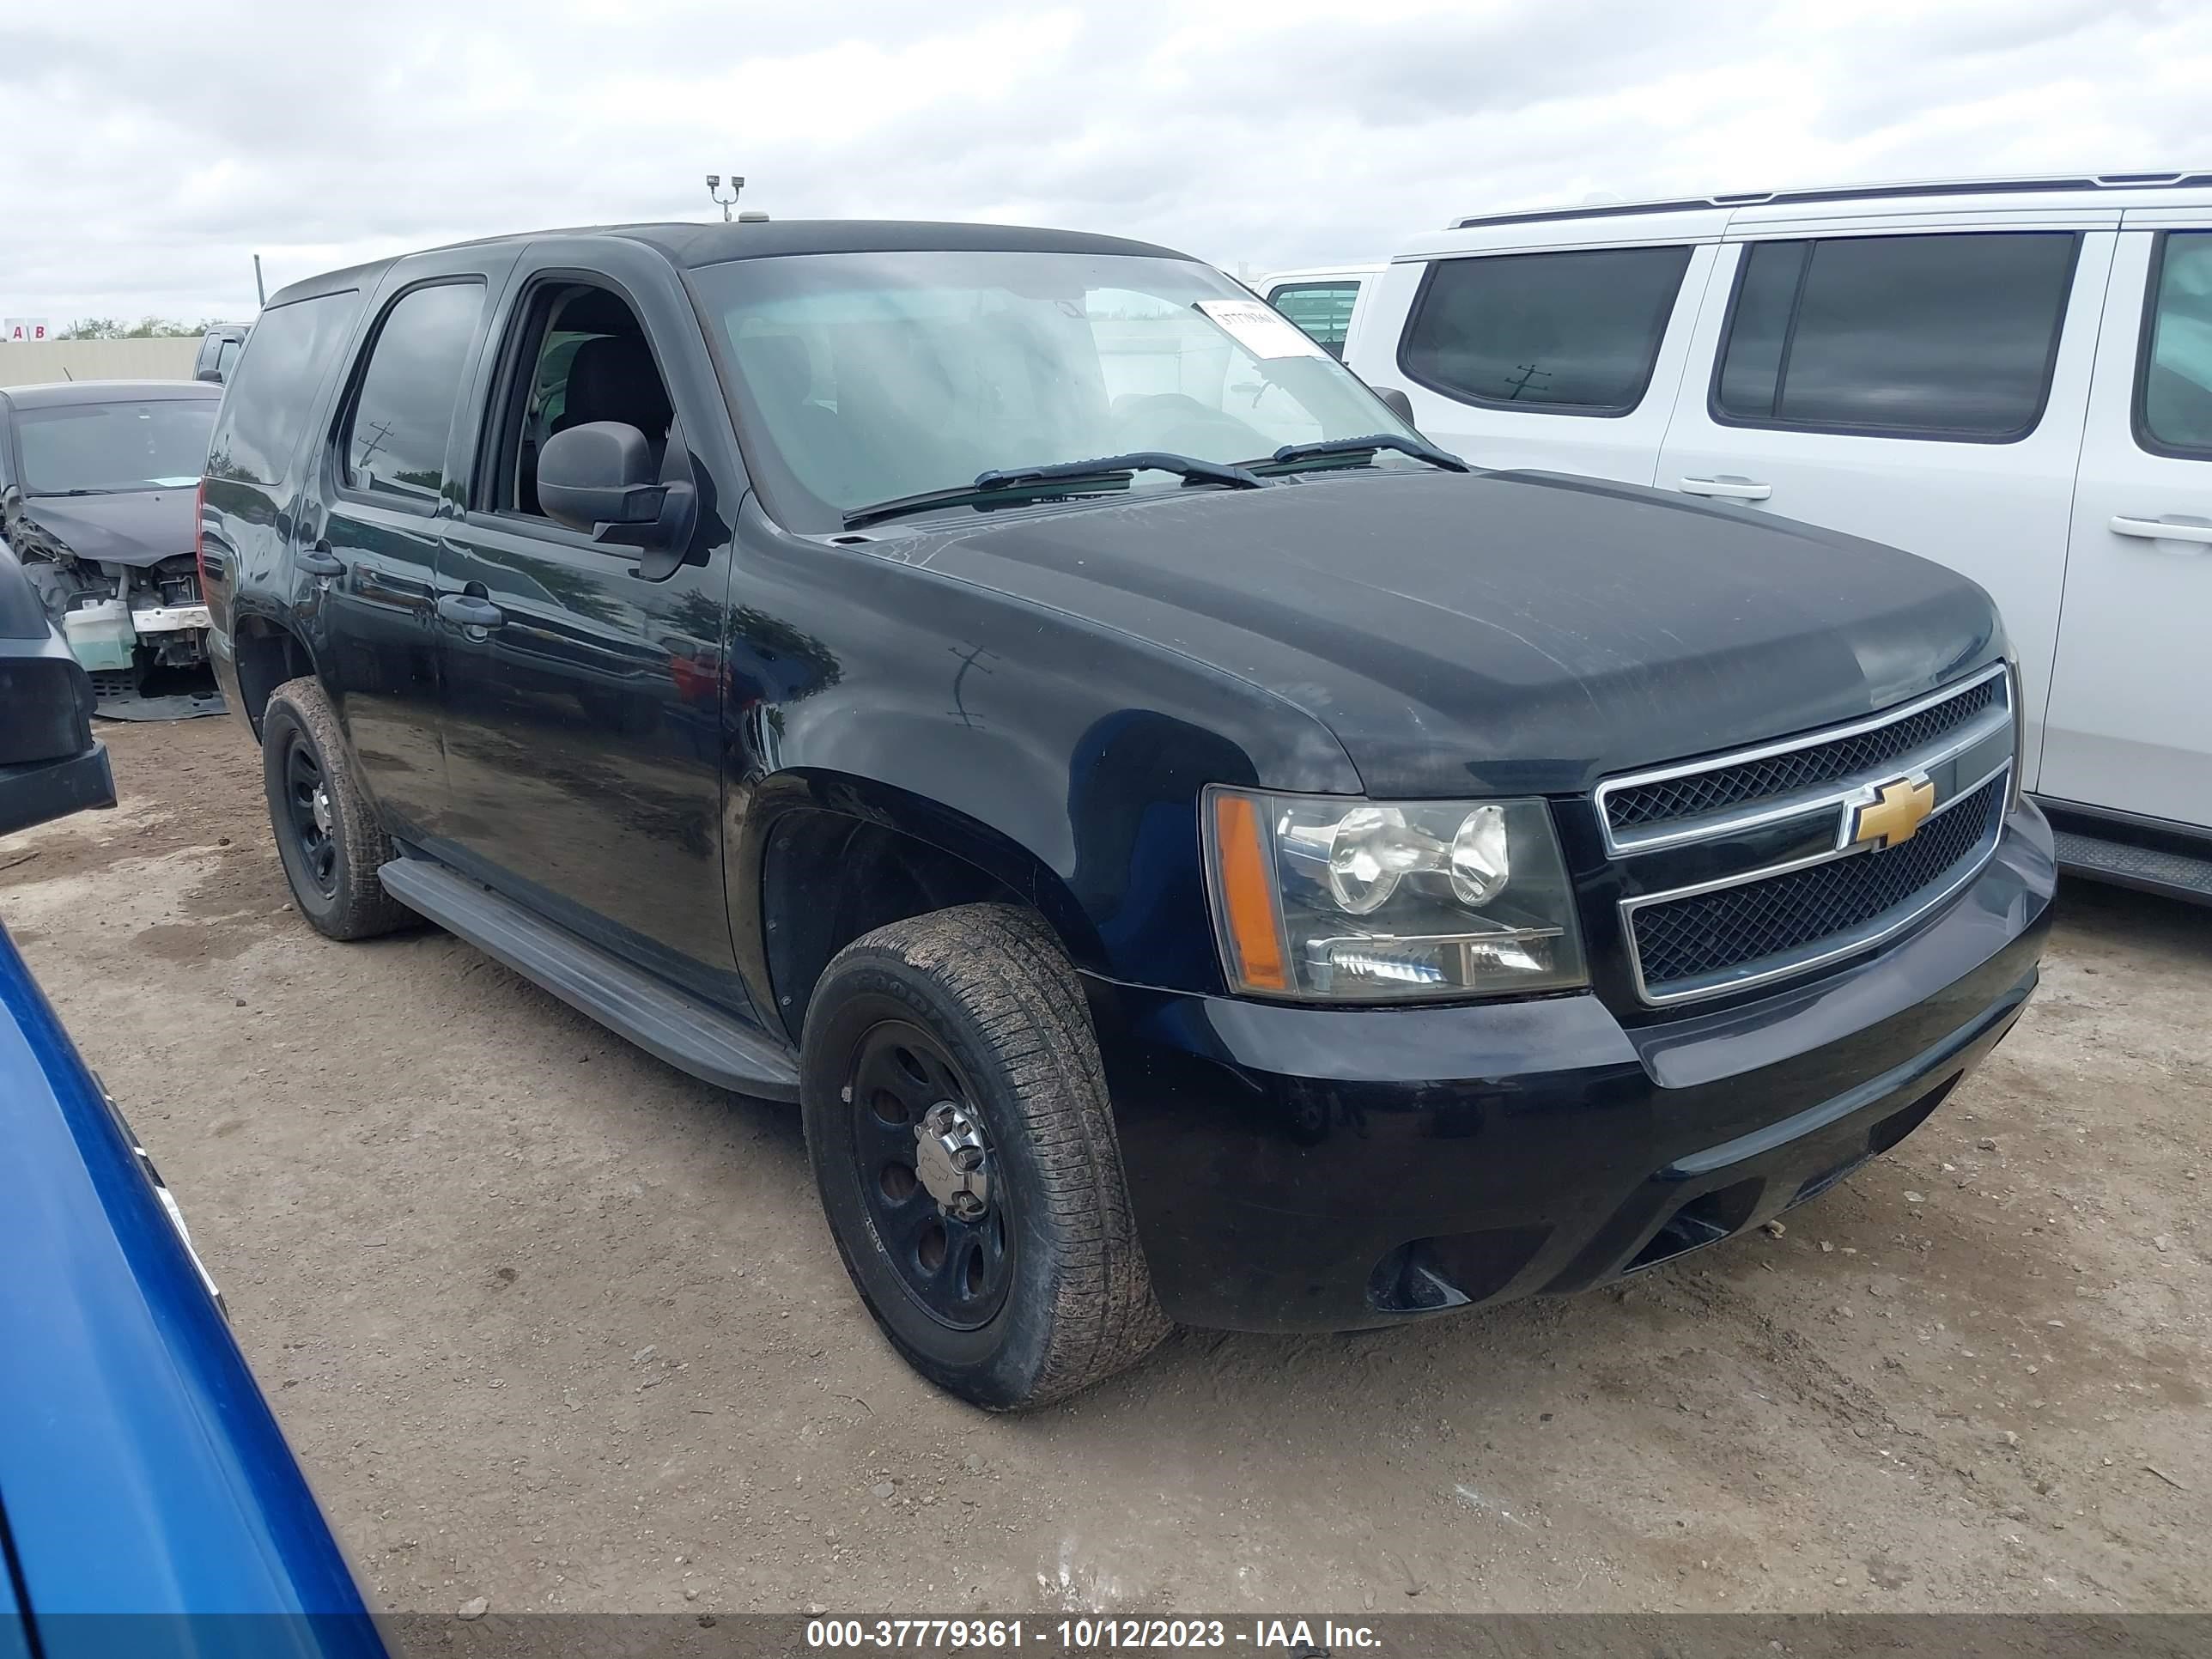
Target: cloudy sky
x,y
152,150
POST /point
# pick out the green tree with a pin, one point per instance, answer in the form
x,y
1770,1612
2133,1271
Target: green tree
x,y
146,328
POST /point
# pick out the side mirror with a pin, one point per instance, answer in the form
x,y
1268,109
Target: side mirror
x,y
1396,402
599,479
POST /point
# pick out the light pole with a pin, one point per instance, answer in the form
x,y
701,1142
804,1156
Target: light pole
x,y
714,191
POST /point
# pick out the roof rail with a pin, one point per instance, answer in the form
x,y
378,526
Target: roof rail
x,y
1850,193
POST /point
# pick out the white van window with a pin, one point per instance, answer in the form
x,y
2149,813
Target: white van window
x,y
1323,310
2173,399
1557,333
1949,337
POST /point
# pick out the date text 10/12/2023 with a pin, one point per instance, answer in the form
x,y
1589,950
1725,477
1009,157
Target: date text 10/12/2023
x,y
1298,1637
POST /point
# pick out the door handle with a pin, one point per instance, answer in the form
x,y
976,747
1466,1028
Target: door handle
x,y
1732,489
2160,530
468,610
319,560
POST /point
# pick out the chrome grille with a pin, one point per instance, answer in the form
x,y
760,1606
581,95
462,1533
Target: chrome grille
x,y
1695,794
1824,886
1733,931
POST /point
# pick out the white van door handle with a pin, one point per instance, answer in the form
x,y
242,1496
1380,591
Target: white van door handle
x,y
1734,489
2162,530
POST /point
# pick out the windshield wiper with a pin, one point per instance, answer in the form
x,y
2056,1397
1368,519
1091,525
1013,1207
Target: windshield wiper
x,y
1290,455
1099,476
1098,483
1192,471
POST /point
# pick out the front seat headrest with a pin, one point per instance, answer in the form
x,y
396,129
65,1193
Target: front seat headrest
x,y
613,379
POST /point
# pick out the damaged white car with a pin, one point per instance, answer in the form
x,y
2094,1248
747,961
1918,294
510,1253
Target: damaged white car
x,y
99,483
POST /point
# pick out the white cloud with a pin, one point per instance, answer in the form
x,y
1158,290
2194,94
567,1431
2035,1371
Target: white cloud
x,y
151,156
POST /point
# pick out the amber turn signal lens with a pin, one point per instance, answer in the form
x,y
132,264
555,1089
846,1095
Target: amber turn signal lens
x,y
1248,894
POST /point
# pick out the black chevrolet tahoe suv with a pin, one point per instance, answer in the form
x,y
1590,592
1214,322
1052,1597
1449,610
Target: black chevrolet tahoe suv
x,y
1193,851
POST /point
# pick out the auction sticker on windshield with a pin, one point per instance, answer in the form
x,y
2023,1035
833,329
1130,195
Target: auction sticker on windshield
x,y
1262,332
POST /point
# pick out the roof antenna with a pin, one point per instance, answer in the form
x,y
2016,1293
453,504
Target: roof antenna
x,y
715,192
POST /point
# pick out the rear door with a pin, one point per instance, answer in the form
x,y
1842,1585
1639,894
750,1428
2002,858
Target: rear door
x,y
1563,359
2130,717
1921,387
368,557
582,707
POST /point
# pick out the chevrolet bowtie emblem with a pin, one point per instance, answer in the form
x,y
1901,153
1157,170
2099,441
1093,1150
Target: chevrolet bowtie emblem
x,y
1885,814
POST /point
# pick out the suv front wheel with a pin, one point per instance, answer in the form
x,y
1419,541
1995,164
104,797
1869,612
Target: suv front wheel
x,y
957,1119
327,834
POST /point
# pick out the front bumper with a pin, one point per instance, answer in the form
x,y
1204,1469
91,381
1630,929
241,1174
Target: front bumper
x,y
1322,1168
36,792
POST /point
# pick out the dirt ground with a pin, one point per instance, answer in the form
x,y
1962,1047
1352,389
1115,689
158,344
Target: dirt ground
x,y
554,1325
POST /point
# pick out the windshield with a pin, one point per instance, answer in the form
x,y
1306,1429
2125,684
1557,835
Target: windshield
x,y
865,377
102,449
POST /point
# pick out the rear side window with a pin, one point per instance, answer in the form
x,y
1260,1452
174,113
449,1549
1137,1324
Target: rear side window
x,y
1945,336
266,402
1322,310
1564,333
2173,395
394,439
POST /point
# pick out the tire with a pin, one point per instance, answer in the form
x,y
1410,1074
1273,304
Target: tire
x,y
985,1003
332,865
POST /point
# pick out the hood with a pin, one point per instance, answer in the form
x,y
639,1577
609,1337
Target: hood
x,y
1499,633
137,527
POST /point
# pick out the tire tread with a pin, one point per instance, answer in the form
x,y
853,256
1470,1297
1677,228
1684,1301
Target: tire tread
x,y
362,910
1002,964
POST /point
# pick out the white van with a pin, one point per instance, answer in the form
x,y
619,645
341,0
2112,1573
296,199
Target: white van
x,y
2011,377
1324,301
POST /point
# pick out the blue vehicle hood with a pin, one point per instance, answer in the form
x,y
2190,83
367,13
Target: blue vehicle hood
x,y
140,1470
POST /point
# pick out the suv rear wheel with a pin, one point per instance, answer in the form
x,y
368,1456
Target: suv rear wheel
x,y
956,1119
327,834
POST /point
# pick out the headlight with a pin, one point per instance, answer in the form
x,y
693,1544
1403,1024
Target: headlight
x,y
1319,897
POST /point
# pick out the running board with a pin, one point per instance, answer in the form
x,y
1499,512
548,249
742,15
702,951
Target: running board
x,y
2151,870
690,1034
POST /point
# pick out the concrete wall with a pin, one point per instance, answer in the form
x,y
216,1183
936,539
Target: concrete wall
x,y
98,359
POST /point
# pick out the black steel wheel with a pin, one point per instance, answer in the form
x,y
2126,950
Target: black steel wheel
x,y
958,1123
308,813
327,833
922,1158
